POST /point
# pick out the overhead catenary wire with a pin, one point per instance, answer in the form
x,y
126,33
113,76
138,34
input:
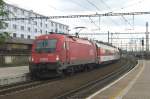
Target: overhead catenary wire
x,y
112,11
76,16
91,20
93,5
100,10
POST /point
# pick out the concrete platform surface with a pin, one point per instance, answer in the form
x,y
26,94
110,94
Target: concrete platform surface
x,y
141,88
12,71
133,85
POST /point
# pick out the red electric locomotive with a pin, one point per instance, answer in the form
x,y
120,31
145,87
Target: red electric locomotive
x,y
59,53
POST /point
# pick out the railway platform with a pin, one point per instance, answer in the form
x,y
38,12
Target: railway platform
x,y
13,74
133,85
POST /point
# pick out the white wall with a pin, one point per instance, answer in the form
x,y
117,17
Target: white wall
x,y
40,26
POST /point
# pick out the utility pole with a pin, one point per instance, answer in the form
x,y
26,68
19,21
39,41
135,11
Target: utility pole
x,y
111,38
142,41
147,38
121,44
99,23
108,36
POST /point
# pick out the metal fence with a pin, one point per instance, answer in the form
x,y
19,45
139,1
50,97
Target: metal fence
x,y
14,60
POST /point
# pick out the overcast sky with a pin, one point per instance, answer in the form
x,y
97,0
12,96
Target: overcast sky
x,y
112,24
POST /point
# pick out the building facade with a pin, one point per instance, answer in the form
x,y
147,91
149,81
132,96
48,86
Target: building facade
x,y
29,29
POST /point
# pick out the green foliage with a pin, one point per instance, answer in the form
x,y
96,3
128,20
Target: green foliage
x,y
4,36
3,13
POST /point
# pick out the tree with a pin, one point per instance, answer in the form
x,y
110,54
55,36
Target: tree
x,y
3,13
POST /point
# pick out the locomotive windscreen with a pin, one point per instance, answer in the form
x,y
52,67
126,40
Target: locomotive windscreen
x,y
45,46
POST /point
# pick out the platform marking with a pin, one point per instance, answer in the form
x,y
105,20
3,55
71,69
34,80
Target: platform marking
x,y
124,91
98,92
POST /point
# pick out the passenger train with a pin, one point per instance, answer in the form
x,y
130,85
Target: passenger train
x,y
57,54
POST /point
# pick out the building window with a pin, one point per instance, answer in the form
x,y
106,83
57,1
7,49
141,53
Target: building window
x,y
29,29
46,25
35,30
15,9
6,7
46,32
60,26
22,27
41,24
66,28
29,21
29,14
56,25
22,21
22,11
35,22
29,37
6,25
14,26
41,31
51,23
56,30
14,35
22,35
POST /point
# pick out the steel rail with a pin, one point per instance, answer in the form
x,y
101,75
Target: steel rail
x,y
85,89
16,88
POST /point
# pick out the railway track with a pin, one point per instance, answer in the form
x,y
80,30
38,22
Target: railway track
x,y
78,85
91,87
18,87
14,84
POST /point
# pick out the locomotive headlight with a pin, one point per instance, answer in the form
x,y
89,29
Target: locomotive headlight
x,y
32,59
57,58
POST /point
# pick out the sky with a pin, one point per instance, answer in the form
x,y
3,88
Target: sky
x,y
93,25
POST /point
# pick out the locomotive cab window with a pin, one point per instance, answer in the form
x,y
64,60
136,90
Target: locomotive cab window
x,y
47,46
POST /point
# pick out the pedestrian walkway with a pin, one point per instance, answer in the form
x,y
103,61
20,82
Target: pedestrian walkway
x,y
141,87
11,75
10,71
133,85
